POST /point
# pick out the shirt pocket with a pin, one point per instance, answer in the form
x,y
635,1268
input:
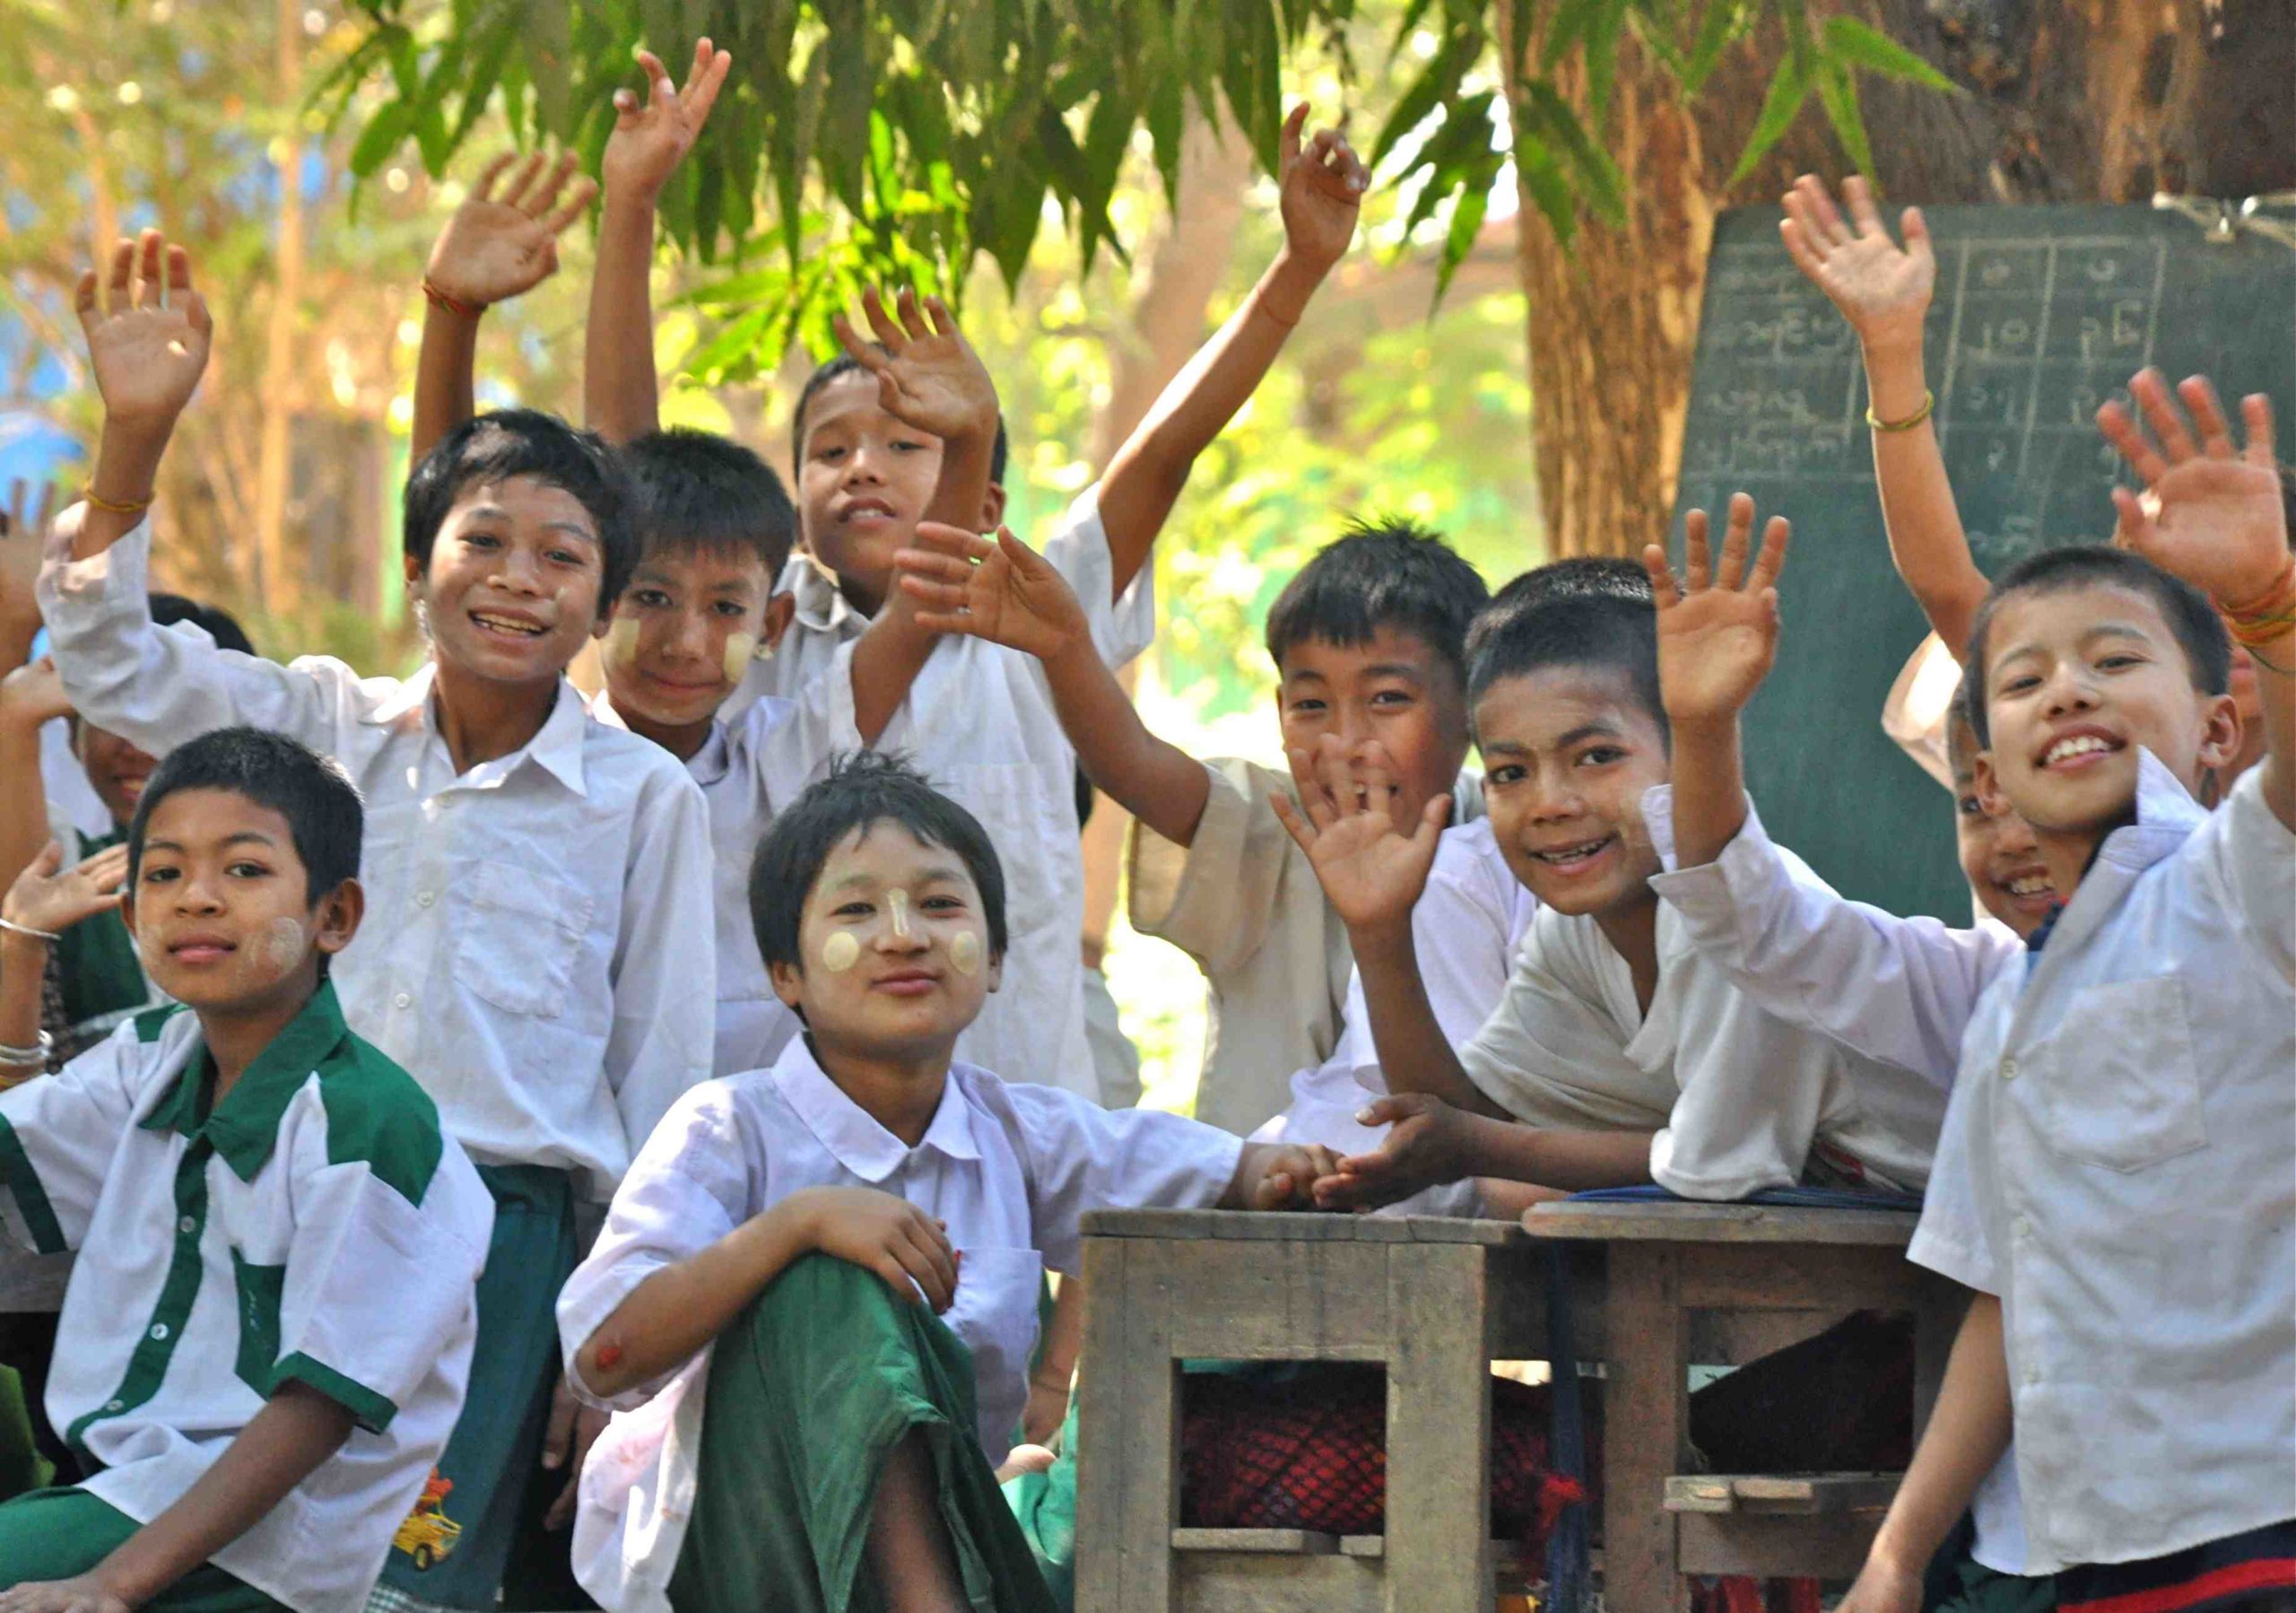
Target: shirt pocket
x,y
259,1289
995,1313
2119,1085
522,930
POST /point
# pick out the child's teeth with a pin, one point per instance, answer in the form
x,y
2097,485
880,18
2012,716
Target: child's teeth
x,y
2079,746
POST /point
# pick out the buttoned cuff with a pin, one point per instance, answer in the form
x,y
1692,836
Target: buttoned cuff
x,y
72,592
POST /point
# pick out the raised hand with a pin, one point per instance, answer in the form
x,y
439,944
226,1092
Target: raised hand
x,y
1372,866
927,374
1425,1147
1321,190
1880,288
503,239
148,340
1005,591
1718,634
651,137
33,695
888,1235
2220,524
51,898
23,525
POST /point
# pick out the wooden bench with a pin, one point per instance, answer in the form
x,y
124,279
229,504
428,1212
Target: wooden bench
x,y
1434,1301
1669,1266
32,1282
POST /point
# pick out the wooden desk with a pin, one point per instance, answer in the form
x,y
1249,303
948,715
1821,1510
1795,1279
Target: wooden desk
x,y
1434,1301
32,1282
1666,1261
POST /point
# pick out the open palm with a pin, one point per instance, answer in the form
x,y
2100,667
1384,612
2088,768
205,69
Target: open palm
x,y
652,136
927,374
503,239
1371,868
1003,591
2221,524
149,345
1883,289
1717,633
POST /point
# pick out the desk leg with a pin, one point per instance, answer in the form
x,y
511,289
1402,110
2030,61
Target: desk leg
x,y
1646,1397
1438,1430
1127,1428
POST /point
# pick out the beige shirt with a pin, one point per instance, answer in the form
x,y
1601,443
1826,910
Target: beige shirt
x,y
1242,900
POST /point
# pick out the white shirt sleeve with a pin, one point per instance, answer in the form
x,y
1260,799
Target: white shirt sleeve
x,y
1951,1238
2250,861
688,1188
1751,1095
664,972
1080,1156
57,1136
1122,628
156,688
1463,952
1895,991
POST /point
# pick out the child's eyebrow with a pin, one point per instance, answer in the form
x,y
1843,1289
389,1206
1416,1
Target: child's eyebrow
x,y
1395,669
1589,730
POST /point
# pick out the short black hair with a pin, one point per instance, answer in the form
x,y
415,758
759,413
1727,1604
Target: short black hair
x,y
1578,576
696,490
526,442
863,788
218,623
2199,631
312,792
1597,631
837,369
1382,571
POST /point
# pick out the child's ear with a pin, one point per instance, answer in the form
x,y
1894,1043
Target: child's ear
x,y
992,507
2220,733
1987,785
337,917
779,612
788,980
411,569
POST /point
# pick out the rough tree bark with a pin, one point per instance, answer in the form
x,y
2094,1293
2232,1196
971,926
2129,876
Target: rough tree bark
x,y
2069,100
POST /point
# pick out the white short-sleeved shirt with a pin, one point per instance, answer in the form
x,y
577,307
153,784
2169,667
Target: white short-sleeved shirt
x,y
1740,1100
1241,899
752,766
538,943
71,801
2119,1166
1465,928
317,1225
1010,1169
982,728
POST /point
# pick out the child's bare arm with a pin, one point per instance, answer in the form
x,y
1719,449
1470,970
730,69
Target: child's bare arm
x,y
1008,594
1431,1142
2223,527
682,1307
298,1429
1717,635
1967,1433
621,393
1322,188
502,241
30,697
886,660
147,345
1885,290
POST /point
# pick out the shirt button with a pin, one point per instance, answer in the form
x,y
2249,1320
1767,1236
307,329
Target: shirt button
x,y
402,1001
2021,1227
424,898
2008,1069
159,1330
186,1227
117,1405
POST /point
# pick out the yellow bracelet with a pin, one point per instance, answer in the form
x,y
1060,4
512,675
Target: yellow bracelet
x,y
1928,403
114,506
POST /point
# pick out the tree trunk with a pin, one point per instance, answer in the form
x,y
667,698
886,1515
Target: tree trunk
x,y
2068,100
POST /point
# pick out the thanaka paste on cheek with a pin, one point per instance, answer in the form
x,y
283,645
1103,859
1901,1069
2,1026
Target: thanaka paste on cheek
x,y
841,952
964,952
284,942
621,641
741,648
897,900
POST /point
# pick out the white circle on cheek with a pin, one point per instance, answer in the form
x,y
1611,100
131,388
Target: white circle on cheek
x,y
964,952
841,952
284,944
741,648
621,641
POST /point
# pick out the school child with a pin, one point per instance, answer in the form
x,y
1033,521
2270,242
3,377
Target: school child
x,y
270,1318
540,952
94,979
814,1301
1367,639
2112,1180
981,725
1619,1055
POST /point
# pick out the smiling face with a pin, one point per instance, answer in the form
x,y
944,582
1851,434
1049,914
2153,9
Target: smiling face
x,y
894,943
684,633
1999,855
1393,690
116,771
220,911
2077,679
1567,753
512,587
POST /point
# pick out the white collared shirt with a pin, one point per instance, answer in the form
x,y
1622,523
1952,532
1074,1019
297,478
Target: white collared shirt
x,y
1010,1169
316,1226
750,768
1740,1100
983,730
2119,1166
538,948
1464,928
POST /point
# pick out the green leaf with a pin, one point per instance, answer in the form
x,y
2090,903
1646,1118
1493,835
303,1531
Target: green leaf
x,y
384,134
1719,25
485,72
1540,174
1838,93
1571,22
1559,126
734,341
1438,85
1780,105
550,62
1846,40
1466,224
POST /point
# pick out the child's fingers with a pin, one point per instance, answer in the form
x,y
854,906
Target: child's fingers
x,y
1352,173
123,272
84,298
882,324
1432,817
709,77
2150,388
143,292
2207,417
483,188
50,858
1859,195
945,323
558,1434
954,540
1771,559
2135,527
1698,571
1736,535
1294,825
1378,781
659,89
914,1258
2120,429
546,195
1662,576
196,314
912,317
1025,559
1287,140
514,188
2255,414
1823,214
1916,230
862,352
178,272
1337,770
577,203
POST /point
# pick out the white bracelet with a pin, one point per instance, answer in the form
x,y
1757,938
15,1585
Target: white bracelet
x,y
14,929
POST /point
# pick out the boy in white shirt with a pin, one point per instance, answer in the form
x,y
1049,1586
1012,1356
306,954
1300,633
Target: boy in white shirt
x,y
540,947
2113,1178
270,1318
1618,1055
845,1447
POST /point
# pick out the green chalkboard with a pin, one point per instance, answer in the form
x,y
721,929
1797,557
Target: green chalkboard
x,y
2041,314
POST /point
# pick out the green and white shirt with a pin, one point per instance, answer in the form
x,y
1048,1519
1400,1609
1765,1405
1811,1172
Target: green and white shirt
x,y
316,1226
